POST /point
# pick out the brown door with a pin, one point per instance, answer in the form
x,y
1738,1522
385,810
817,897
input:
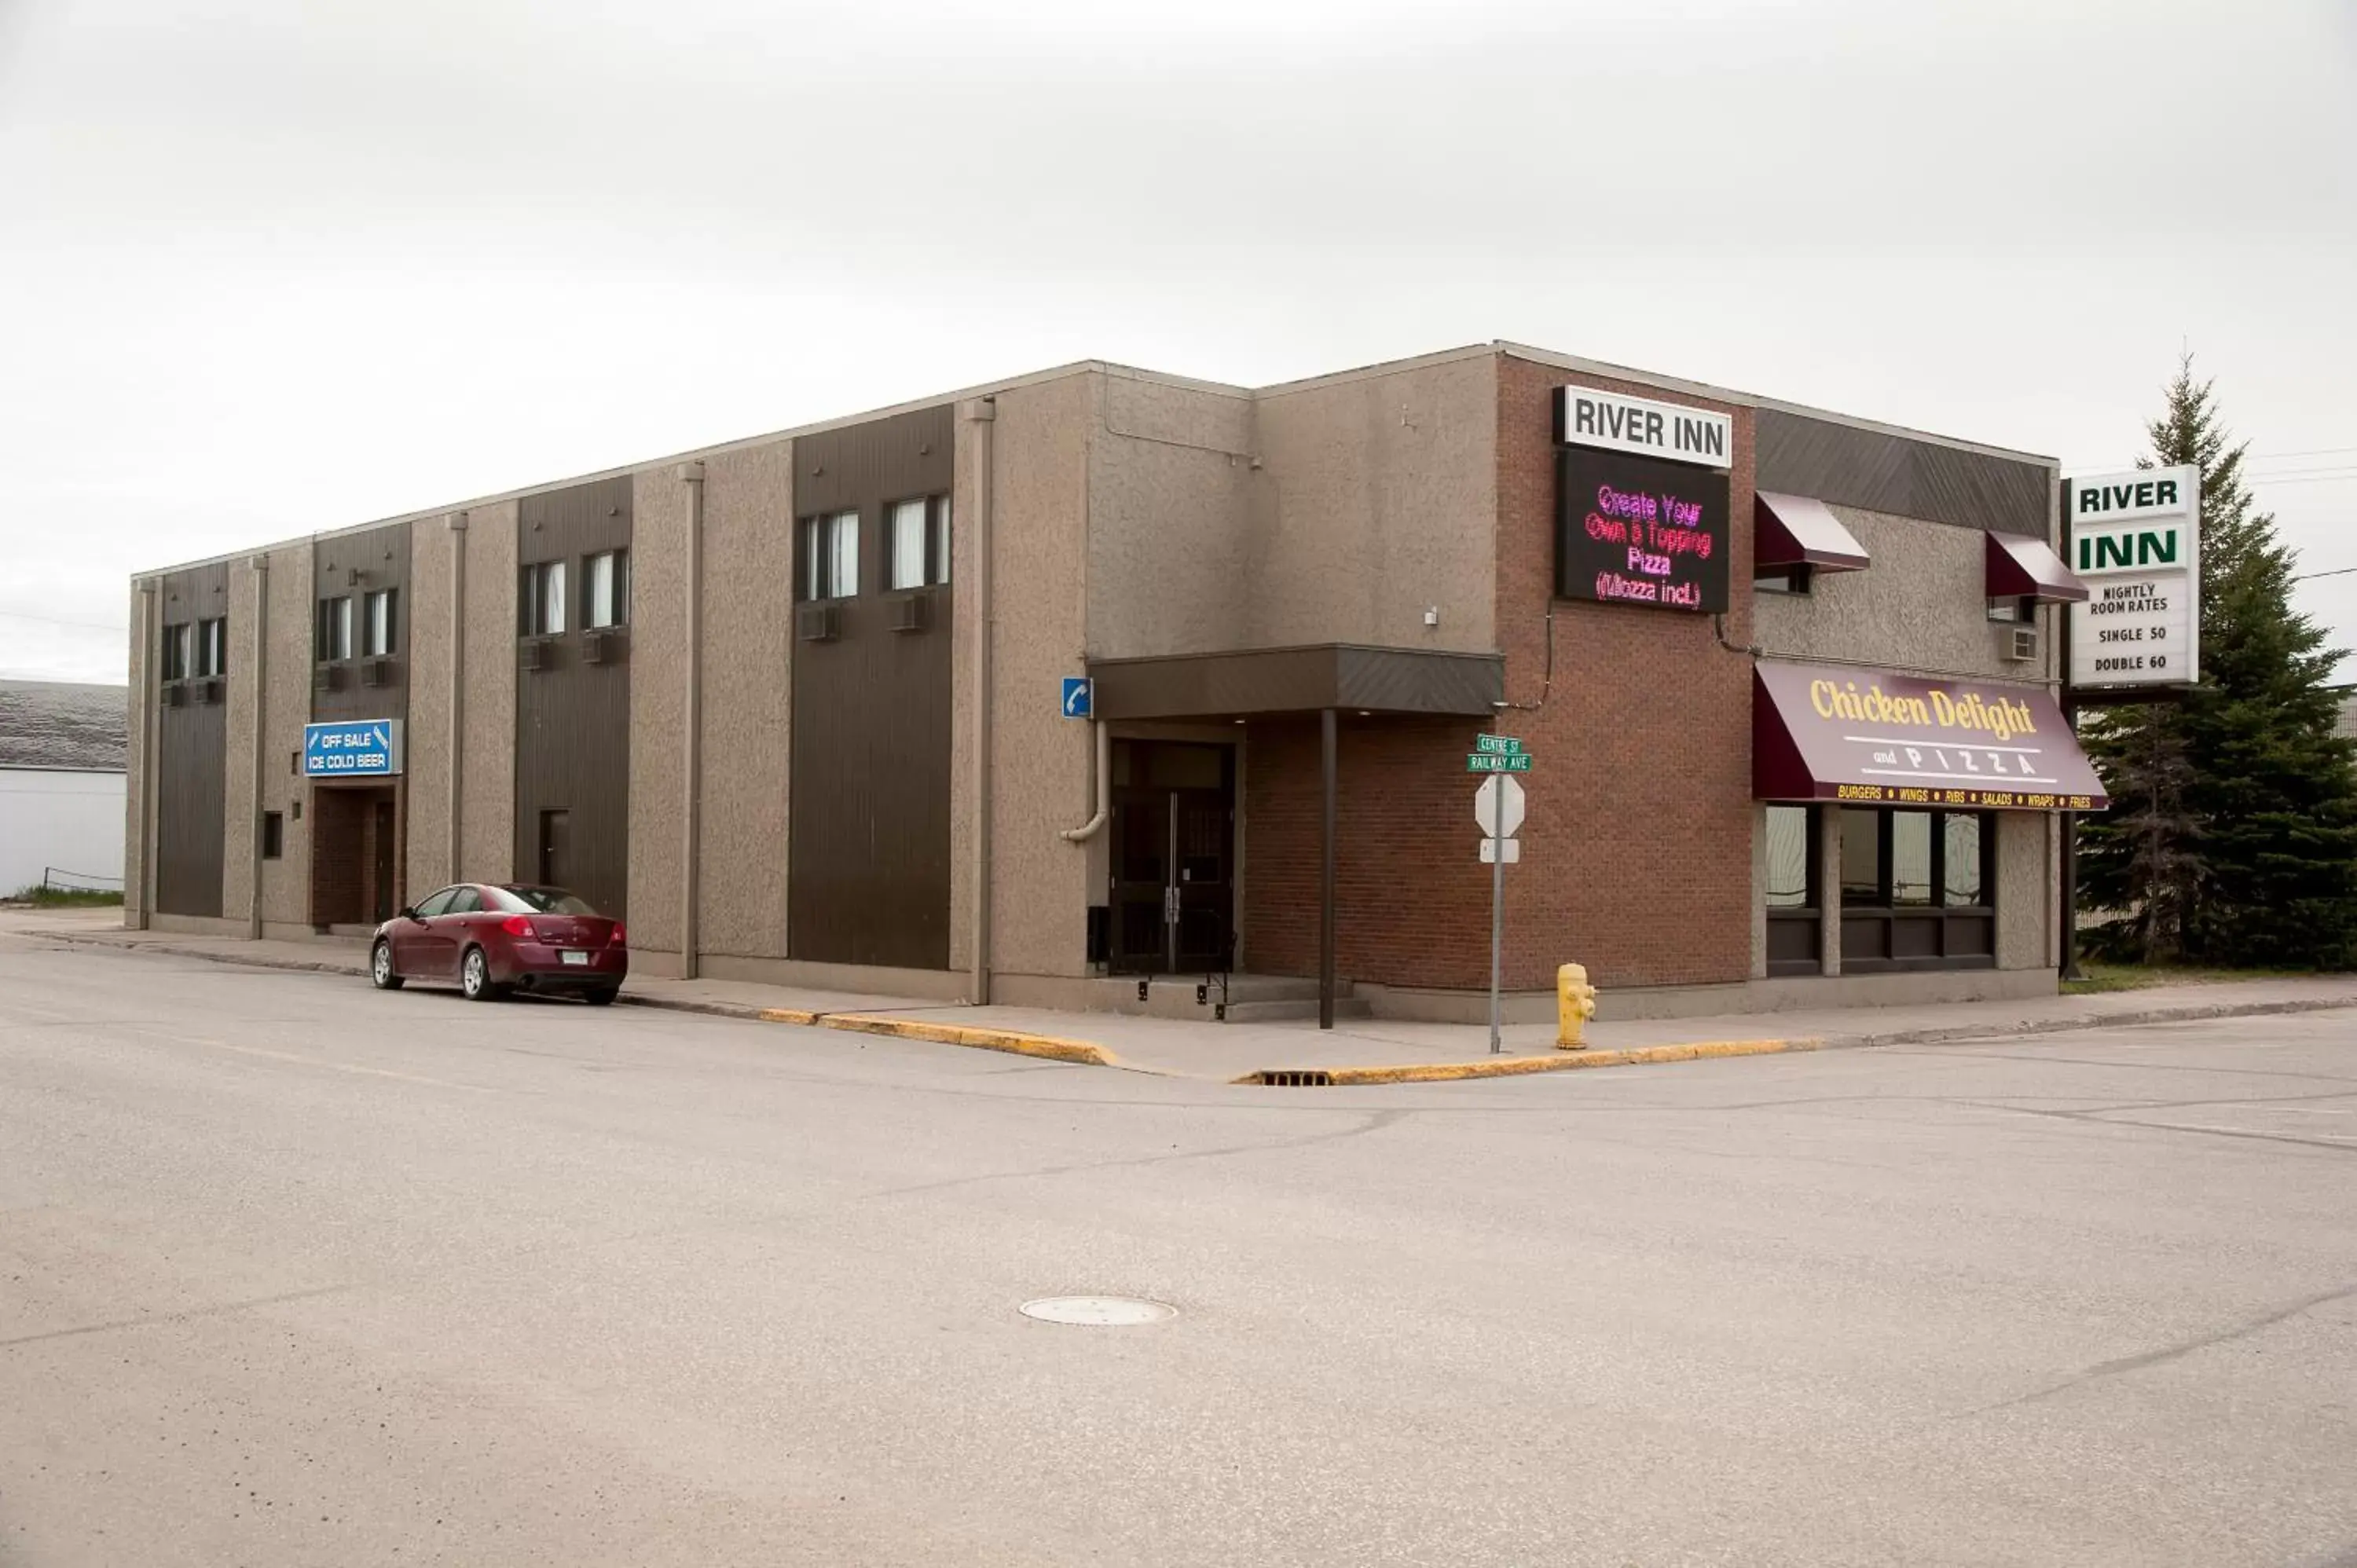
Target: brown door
x,y
383,888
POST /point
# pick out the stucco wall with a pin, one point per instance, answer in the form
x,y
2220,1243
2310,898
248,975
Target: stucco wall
x,y
1169,504
1039,758
427,650
2024,894
1376,500
245,700
487,814
1924,605
748,573
286,881
658,737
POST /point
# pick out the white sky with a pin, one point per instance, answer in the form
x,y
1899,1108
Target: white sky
x,y
268,267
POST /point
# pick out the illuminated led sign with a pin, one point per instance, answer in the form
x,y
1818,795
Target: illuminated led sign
x,y
1639,531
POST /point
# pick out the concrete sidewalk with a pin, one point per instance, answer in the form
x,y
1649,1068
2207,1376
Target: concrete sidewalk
x,y
1361,1051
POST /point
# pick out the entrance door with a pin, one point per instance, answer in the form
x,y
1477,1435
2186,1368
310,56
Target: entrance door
x,y
384,862
1173,849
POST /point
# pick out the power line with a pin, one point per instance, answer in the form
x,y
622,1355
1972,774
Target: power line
x,y
53,620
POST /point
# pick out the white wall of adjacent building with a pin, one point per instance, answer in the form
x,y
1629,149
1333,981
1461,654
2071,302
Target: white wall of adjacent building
x,y
69,820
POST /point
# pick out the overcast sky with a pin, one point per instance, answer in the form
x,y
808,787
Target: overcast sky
x,y
269,267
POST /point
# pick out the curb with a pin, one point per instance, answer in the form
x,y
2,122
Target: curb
x,y
1520,1066
1047,1047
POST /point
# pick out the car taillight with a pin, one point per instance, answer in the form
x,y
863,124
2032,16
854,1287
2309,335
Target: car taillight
x,y
620,939
516,926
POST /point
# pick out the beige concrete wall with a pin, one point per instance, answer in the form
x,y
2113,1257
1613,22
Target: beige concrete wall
x,y
1169,508
239,798
748,573
2025,892
286,881
487,811
1377,498
136,831
658,667
1924,605
429,659
1039,759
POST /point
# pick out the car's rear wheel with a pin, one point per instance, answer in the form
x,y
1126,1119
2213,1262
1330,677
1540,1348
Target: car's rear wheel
x,y
603,996
381,968
475,977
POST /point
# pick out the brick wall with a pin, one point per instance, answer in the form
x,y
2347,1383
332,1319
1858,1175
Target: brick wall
x,y
1412,901
1637,848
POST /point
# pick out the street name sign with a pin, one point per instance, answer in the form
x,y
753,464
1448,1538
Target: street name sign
x,y
1498,762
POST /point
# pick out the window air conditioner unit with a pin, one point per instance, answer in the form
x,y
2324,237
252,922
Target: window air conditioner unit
x,y
327,677
214,690
818,622
538,653
912,612
2021,643
377,672
176,696
604,647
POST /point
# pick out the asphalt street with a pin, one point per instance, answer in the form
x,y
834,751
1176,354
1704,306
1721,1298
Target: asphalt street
x,y
291,1272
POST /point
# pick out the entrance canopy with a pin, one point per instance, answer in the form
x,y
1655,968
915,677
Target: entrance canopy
x,y
1299,680
1821,731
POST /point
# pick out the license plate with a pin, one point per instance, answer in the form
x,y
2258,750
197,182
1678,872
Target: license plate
x,y
574,957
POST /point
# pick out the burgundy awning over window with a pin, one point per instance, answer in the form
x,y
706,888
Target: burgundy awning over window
x,y
1823,733
2021,567
1794,531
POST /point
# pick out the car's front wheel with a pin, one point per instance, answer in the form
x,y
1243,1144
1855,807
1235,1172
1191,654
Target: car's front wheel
x,y
381,972
475,976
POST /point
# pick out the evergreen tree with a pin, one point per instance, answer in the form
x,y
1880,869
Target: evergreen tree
x,y
2231,838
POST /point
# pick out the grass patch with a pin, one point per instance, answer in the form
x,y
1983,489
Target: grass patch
x,y
2103,975
66,898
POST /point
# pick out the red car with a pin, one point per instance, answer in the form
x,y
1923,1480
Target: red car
x,y
494,939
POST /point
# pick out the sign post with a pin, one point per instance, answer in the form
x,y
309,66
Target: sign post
x,y
1498,807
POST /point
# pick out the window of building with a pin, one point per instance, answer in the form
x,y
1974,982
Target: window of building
x,y
917,534
273,835
179,651
1793,579
379,621
211,648
540,599
1791,859
1919,890
830,556
335,639
606,589
2010,611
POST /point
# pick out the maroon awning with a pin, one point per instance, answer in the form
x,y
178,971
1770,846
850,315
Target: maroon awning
x,y
2021,567
1794,531
1822,732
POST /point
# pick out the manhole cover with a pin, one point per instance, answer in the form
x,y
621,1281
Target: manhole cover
x,y
1099,1311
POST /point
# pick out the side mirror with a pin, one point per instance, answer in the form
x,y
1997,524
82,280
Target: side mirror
x,y
409,914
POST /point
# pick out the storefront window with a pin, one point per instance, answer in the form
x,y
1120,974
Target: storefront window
x,y
1861,854
1789,861
1911,857
1960,881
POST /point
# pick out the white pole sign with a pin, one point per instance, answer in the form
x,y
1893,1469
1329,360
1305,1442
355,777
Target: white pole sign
x,y
2135,539
1498,805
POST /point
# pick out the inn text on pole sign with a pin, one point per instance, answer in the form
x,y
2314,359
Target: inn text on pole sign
x,y
2135,539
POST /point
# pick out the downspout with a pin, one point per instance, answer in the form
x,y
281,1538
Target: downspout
x,y
261,725
456,523
151,697
1091,827
982,412
692,818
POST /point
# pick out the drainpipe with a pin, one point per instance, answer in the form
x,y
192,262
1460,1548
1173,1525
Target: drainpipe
x,y
456,523
692,476
261,727
983,413
151,696
1090,828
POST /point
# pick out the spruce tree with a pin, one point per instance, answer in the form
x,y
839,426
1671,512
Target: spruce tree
x,y
2231,838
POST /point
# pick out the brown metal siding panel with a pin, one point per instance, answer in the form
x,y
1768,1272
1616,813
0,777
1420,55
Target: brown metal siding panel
x,y
573,720
192,786
868,866
1293,679
381,560
1881,472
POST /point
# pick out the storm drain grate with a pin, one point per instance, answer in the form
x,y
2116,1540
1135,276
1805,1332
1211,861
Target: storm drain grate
x,y
1301,1078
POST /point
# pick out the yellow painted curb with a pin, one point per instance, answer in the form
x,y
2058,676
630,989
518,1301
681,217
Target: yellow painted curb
x,y
1045,1046
789,1016
1518,1067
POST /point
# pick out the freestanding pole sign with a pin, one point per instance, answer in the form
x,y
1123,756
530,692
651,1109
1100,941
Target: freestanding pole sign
x,y
1498,807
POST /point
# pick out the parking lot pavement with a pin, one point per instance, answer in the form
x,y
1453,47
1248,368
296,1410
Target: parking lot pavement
x,y
292,1272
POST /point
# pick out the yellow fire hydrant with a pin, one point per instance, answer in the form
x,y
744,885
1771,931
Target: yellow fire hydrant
x,y
1574,1004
